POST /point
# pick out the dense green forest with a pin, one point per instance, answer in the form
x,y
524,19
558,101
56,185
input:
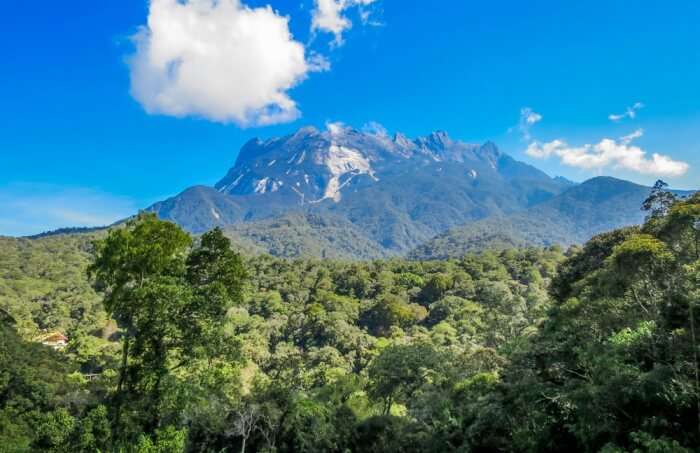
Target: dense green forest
x,y
181,344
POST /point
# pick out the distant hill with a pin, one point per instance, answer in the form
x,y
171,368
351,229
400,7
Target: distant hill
x,y
595,206
68,230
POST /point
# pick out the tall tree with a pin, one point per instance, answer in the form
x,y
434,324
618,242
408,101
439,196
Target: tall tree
x,y
170,301
659,201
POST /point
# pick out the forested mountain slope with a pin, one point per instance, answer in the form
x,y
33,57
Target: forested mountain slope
x,y
306,235
579,213
43,282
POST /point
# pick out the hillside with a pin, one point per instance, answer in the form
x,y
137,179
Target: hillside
x,y
297,235
199,209
597,205
43,282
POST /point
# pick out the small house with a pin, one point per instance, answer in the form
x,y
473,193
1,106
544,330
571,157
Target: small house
x,y
55,340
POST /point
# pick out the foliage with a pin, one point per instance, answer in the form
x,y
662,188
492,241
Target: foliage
x,y
508,350
169,299
43,284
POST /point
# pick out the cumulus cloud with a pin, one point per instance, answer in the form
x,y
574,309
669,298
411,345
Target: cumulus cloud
x,y
328,16
220,60
528,118
32,208
630,112
616,153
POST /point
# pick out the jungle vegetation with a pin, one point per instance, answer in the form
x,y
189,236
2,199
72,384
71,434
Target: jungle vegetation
x,y
182,344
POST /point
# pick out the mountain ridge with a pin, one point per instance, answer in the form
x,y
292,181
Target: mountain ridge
x,y
392,195
597,205
424,185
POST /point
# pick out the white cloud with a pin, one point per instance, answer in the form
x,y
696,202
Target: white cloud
x,y
318,62
218,59
328,16
375,128
608,152
336,128
31,208
528,118
627,139
630,112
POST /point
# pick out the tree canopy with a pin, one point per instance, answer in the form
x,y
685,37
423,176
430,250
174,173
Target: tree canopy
x,y
197,348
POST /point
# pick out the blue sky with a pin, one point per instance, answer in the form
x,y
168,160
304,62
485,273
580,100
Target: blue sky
x,y
91,130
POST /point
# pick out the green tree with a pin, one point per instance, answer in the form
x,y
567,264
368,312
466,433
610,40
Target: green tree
x,y
659,201
170,301
392,310
400,370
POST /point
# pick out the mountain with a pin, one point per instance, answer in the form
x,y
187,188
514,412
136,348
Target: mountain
x,y
345,193
199,209
579,213
389,193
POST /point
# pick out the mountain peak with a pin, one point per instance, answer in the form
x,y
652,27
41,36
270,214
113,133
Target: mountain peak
x,y
489,145
439,139
607,181
310,166
490,150
306,131
401,140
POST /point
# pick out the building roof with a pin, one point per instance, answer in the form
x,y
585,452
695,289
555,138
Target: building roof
x,y
53,337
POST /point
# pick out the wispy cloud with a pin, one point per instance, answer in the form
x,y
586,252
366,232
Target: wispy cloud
x,y
528,118
328,16
375,128
31,208
336,128
615,153
630,112
220,60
